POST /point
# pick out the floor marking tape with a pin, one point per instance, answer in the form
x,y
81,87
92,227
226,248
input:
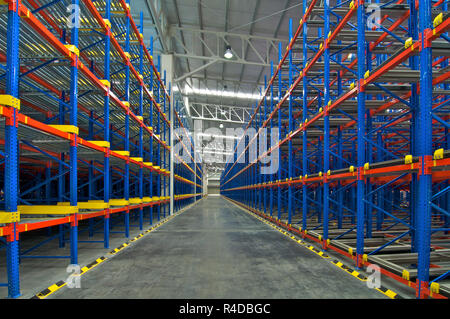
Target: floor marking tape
x,y
55,287
289,235
387,292
47,292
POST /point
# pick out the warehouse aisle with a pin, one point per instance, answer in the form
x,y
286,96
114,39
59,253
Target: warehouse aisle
x,y
215,250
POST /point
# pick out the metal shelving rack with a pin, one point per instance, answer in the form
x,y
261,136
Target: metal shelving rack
x,y
188,174
86,116
362,111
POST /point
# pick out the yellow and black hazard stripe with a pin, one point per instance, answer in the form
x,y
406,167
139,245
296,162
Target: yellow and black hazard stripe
x,y
47,292
162,222
93,264
55,287
137,237
285,233
116,250
387,292
391,294
349,270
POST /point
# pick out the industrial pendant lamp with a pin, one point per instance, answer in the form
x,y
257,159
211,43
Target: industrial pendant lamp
x,y
228,53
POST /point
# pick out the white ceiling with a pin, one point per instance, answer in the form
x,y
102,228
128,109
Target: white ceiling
x,y
196,32
259,18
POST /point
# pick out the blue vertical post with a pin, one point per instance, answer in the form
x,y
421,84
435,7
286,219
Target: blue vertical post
x,y
61,167
424,150
414,100
106,128
361,150
158,147
445,64
255,167
61,170
353,189
91,171
280,57
447,139
304,118
151,139
73,147
126,186
141,113
319,190
290,129
265,191
11,151
171,157
339,185
258,163
447,147
326,124
272,176
380,193
163,164
369,197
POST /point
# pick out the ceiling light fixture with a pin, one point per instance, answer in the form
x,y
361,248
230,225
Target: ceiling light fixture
x,y
228,53
231,94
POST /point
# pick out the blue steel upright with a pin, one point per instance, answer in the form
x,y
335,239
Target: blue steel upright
x,y
290,129
73,147
279,199
326,123
424,150
106,127
361,130
305,209
11,151
126,187
141,113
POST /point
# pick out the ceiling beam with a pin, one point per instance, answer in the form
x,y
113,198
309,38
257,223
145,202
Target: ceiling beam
x,y
223,80
200,20
255,12
220,113
277,30
217,58
227,9
193,29
156,10
216,41
177,13
203,67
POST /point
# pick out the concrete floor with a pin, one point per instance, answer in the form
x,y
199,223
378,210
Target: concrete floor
x,y
215,250
38,274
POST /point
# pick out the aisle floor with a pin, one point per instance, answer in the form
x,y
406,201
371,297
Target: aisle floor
x,y
216,250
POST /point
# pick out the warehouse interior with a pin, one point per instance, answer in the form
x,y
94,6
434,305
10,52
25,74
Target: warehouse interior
x,y
224,149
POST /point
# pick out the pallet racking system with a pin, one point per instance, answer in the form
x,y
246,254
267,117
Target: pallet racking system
x,y
188,186
86,129
362,110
